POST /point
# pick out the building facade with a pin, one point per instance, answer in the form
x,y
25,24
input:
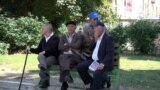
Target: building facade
x,y
137,9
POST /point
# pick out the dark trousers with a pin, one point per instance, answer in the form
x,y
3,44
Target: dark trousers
x,y
67,61
96,80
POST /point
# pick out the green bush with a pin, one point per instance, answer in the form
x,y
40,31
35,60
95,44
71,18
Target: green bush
x,y
62,29
19,32
119,36
4,48
141,35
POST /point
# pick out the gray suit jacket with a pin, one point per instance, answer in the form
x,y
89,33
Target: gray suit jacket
x,y
75,45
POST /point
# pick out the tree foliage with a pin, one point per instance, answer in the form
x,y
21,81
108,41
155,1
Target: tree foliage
x,y
19,29
59,11
20,32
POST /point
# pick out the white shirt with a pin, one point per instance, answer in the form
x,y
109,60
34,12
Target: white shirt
x,y
96,49
69,37
47,38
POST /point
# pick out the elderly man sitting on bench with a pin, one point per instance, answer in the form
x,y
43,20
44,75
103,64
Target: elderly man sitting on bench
x,y
70,47
47,51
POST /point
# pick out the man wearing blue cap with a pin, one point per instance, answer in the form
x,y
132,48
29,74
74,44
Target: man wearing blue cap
x,y
88,31
102,58
88,28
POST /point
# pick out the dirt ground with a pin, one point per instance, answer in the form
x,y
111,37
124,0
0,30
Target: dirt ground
x,y
11,75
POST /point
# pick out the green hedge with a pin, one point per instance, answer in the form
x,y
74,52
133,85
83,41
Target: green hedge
x,y
4,48
141,34
19,32
119,36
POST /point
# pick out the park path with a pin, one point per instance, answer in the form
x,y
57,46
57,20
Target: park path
x,y
33,78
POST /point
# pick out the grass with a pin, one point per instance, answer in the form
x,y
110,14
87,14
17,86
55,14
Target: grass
x,y
140,72
135,70
16,62
115,76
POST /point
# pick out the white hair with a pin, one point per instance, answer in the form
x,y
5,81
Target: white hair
x,y
49,26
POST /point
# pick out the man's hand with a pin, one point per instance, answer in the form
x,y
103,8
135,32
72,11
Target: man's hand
x,y
66,45
27,50
100,67
42,53
91,38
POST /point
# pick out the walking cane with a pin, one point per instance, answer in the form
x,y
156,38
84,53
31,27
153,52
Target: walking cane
x,y
23,70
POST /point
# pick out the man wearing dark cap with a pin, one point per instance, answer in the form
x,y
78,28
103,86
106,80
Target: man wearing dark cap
x,y
47,51
102,59
88,35
70,47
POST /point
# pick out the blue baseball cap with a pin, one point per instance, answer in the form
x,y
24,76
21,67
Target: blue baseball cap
x,y
99,24
93,15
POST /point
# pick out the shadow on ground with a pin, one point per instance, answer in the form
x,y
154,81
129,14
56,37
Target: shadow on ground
x,y
32,77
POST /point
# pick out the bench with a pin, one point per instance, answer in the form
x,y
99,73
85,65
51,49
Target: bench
x,y
114,73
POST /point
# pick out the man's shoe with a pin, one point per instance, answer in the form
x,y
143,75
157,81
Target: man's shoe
x,y
40,82
87,87
103,84
109,83
64,86
69,79
44,84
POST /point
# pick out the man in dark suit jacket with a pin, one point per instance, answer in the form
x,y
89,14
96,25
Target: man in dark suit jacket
x,y
70,47
47,51
103,52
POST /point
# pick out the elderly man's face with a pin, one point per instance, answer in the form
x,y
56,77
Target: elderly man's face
x,y
46,30
98,30
71,28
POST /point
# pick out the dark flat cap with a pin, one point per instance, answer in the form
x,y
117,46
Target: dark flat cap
x,y
71,22
99,24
